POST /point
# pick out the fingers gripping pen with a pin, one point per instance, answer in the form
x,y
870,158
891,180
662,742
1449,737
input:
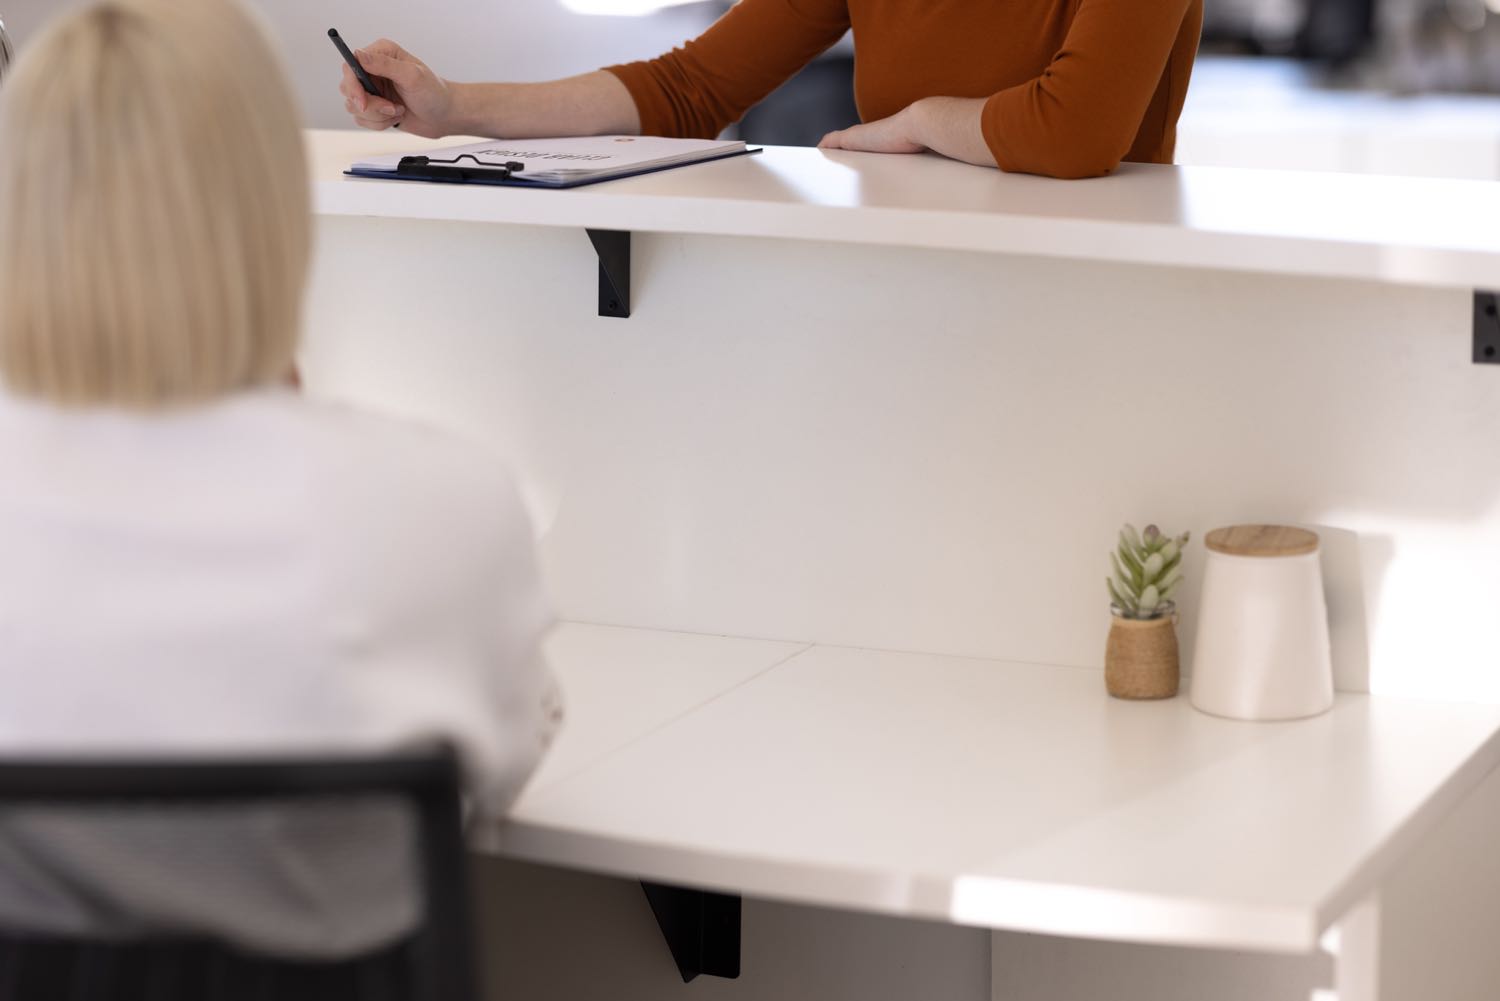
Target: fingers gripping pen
x,y
359,71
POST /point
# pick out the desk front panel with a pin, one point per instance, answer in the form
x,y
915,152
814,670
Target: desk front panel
x,y
932,450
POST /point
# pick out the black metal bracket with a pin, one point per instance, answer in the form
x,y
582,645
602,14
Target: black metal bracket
x,y
701,928
613,248
1486,328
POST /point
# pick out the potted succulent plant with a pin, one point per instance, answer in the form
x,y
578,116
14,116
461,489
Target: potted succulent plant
x,y
1140,659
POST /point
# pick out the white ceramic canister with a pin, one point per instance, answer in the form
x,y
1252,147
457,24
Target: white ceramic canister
x,y
1261,652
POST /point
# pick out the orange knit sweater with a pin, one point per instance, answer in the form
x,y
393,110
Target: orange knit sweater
x,y
1073,86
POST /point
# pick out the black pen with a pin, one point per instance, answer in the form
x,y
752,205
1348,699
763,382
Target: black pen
x,y
359,71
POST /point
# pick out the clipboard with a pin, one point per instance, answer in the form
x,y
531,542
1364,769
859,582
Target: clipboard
x,y
469,169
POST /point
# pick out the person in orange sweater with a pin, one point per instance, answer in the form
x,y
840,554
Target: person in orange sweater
x,y
1063,88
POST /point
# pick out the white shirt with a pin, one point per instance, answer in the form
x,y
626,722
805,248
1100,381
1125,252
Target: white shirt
x,y
266,575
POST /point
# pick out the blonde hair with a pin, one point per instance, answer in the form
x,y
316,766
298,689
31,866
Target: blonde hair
x,y
155,225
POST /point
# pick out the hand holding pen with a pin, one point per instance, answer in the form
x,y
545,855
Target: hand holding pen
x,y
402,92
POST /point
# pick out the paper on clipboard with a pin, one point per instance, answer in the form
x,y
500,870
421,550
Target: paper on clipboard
x,y
569,160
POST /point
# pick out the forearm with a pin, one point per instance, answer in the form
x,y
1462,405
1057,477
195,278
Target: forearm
x,y
951,126
588,105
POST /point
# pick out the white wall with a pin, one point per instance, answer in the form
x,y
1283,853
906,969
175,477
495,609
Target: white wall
x,y
921,414
461,39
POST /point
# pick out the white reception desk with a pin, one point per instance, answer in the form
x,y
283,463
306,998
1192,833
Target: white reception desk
x,y
868,404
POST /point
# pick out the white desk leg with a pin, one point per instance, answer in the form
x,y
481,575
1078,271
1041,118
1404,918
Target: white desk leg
x,y
1355,943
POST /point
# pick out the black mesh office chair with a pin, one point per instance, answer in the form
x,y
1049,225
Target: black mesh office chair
x,y
435,964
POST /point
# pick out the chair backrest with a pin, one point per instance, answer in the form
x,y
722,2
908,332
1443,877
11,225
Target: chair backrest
x,y
442,946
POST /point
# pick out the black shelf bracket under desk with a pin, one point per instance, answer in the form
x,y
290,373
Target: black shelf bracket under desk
x,y
1486,328
701,928
613,248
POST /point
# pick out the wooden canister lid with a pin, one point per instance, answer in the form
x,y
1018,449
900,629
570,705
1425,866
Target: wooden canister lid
x,y
1262,540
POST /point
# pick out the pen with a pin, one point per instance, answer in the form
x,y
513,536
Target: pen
x,y
359,71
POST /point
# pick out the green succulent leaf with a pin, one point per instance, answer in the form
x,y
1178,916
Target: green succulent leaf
x,y
1150,598
1146,570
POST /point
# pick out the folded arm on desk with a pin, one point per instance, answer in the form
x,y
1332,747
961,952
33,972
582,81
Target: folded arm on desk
x,y
1100,100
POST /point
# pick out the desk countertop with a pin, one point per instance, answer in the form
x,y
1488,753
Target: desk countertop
x,y
1413,230
995,794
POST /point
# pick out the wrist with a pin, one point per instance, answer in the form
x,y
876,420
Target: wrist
x,y
918,123
464,116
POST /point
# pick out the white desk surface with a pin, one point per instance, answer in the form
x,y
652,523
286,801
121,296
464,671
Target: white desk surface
x,y
1425,231
995,794
619,684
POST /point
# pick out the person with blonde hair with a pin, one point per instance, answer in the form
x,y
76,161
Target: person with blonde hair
x,y
195,558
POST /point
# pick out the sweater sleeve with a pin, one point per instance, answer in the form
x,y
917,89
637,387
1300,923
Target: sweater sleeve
x,y
708,83
1080,117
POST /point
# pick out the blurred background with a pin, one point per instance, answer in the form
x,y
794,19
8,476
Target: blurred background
x,y
1377,86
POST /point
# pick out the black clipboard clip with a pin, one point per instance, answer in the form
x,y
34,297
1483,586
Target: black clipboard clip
x,y
429,169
